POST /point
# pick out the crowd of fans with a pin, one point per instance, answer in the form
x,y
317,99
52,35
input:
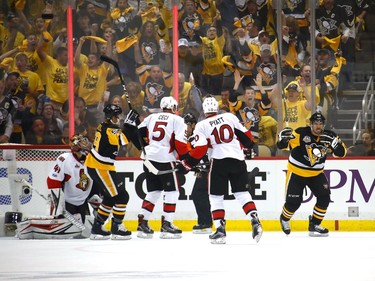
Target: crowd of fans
x,y
226,48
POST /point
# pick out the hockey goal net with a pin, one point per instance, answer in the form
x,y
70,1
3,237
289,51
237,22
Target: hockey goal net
x,y
29,162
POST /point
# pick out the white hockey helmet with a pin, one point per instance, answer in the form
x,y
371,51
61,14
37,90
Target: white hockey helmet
x,y
169,103
210,105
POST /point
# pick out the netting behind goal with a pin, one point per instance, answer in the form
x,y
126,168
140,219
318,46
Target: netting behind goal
x,y
29,162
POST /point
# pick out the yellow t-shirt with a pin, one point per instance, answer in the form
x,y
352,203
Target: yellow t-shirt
x,y
212,51
56,80
93,83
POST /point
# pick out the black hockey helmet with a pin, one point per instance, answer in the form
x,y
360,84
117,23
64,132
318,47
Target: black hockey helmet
x,y
317,116
111,110
189,118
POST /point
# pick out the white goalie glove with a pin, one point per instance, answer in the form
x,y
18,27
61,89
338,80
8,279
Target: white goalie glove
x,y
330,140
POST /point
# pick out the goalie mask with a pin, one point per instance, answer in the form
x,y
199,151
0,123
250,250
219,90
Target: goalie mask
x,y
169,103
80,146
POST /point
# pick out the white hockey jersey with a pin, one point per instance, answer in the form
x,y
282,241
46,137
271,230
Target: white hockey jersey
x,y
166,133
70,174
218,134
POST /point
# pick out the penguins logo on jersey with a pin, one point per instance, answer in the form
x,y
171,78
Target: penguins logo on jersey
x,y
250,116
153,91
149,51
326,25
315,152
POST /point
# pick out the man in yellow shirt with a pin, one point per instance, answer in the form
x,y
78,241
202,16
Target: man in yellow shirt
x,y
92,78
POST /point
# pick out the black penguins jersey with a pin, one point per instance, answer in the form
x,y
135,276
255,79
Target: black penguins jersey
x,y
328,21
308,152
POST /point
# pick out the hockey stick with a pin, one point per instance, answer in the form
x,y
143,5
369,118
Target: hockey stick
x,y
111,61
117,67
253,173
66,214
155,171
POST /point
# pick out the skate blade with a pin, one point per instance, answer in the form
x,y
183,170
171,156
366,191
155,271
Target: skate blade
x,y
166,235
259,235
99,237
202,231
121,237
220,240
145,235
317,234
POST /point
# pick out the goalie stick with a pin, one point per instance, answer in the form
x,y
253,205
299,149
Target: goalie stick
x,y
66,214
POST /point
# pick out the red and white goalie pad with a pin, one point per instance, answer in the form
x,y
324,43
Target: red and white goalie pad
x,y
48,228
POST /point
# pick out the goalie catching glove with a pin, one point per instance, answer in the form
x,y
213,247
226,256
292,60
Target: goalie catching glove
x,y
132,118
329,139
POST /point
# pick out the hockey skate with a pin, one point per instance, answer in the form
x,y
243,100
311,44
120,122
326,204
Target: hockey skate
x,y
144,230
202,229
219,236
169,231
257,228
98,231
316,230
119,232
285,226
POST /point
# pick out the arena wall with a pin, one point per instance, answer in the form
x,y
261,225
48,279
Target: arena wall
x,y
352,184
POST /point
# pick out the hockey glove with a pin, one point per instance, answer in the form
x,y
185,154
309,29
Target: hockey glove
x,y
249,154
183,167
132,118
286,134
330,140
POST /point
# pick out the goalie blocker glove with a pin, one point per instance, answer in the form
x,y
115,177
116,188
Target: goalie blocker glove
x,y
284,136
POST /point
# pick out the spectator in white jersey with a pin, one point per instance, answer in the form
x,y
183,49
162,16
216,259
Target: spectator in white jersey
x,y
70,176
166,134
223,136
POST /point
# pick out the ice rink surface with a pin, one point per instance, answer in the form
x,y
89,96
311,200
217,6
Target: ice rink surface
x,y
343,256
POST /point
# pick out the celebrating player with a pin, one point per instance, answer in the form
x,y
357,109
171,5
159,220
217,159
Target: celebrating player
x,y
100,166
309,147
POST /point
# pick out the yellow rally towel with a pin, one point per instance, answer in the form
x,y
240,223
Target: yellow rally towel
x,y
333,43
6,62
291,56
149,11
20,4
125,43
97,39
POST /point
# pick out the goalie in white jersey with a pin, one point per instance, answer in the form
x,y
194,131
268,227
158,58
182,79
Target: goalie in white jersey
x,y
224,137
70,175
166,134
